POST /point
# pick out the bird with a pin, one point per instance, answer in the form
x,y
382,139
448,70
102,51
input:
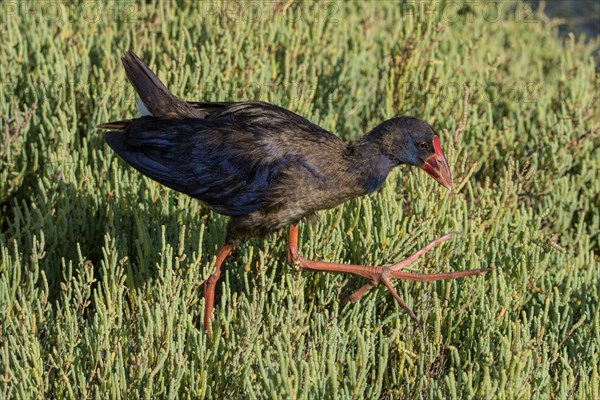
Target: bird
x,y
267,168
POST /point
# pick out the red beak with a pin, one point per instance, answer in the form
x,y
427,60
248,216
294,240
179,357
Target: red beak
x,y
437,166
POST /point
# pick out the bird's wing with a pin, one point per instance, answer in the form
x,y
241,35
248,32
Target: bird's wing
x,y
230,170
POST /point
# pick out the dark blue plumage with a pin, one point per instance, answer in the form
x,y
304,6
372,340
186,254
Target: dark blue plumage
x,y
199,159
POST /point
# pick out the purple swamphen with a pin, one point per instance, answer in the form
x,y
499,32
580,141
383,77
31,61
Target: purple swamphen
x,y
267,168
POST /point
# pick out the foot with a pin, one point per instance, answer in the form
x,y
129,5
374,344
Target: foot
x,y
378,275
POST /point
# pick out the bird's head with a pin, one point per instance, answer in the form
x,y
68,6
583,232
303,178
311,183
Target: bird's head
x,y
409,140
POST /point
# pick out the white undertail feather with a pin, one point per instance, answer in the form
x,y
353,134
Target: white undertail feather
x,y
142,109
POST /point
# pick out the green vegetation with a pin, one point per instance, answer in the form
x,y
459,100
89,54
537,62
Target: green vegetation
x,y
101,269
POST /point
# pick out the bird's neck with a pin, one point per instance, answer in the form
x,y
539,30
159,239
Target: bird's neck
x,y
370,163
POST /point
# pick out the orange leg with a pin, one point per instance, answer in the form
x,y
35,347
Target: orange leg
x,y
211,282
377,275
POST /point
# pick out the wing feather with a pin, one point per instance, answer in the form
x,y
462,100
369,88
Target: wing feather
x,y
231,159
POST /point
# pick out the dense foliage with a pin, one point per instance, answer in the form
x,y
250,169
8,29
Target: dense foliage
x,y
101,269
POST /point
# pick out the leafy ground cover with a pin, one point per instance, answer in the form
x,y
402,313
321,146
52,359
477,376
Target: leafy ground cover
x,y
101,269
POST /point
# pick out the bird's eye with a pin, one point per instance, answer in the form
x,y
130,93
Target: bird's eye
x,y
422,145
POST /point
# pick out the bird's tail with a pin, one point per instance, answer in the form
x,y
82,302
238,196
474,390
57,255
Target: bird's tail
x,y
154,97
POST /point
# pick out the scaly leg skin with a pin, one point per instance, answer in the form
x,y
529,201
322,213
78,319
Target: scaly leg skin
x,y
377,275
211,282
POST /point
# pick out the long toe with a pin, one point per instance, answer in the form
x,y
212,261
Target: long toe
x,y
377,275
